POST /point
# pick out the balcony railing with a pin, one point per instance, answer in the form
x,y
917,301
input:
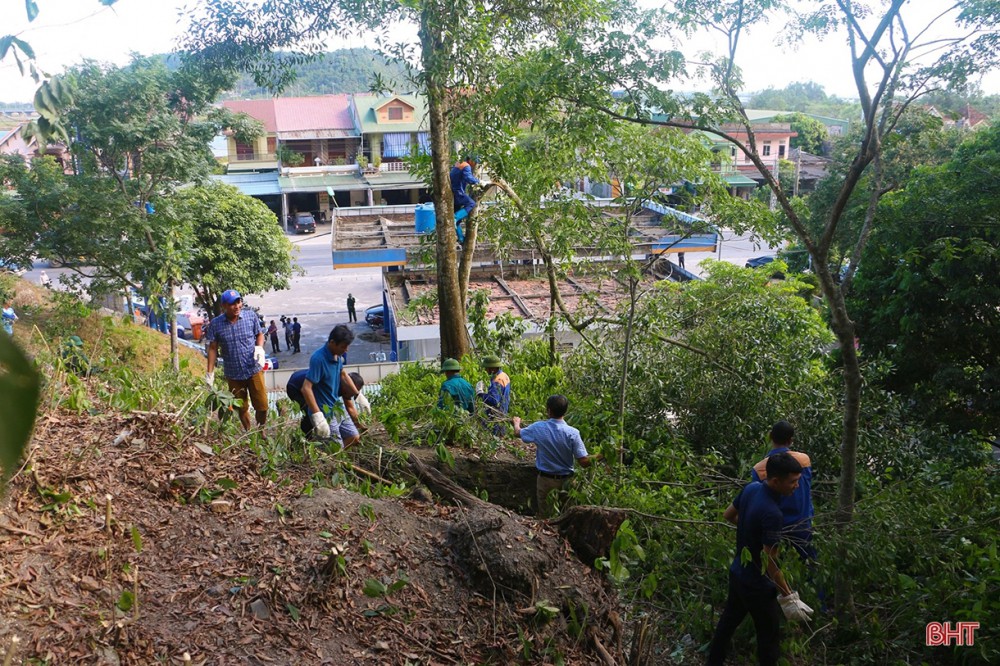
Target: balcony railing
x,y
257,157
394,167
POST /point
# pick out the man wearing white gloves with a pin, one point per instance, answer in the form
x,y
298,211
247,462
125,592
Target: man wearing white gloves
x,y
755,581
236,336
318,390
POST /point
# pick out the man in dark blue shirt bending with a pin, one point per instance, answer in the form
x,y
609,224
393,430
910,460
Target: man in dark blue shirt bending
x,y
754,577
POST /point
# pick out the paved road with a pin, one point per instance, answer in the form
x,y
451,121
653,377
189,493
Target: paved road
x,y
734,249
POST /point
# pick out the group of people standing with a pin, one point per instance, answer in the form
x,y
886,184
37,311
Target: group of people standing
x,y
293,334
558,445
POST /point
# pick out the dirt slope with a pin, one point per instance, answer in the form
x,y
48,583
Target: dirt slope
x,y
236,569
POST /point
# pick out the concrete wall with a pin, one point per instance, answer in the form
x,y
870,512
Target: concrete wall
x,y
373,373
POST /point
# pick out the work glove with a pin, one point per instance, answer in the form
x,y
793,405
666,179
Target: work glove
x,y
794,609
210,379
480,387
320,427
259,356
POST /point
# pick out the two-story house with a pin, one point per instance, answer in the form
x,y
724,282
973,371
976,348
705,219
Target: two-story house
x,y
393,128
330,151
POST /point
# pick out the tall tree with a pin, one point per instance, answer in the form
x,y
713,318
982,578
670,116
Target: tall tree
x,y
927,297
893,61
459,41
237,243
139,132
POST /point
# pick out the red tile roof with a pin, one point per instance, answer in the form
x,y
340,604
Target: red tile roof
x,y
261,109
298,114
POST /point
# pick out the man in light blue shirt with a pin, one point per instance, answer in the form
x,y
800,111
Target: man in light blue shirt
x,y
557,446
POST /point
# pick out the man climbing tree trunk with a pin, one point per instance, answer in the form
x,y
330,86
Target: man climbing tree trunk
x,y
435,40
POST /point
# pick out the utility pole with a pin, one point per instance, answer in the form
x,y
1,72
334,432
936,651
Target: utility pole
x,y
798,167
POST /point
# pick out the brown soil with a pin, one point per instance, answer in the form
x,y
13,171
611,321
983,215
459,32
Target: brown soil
x,y
233,568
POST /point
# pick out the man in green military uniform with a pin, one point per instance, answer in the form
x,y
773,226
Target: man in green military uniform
x,y
455,390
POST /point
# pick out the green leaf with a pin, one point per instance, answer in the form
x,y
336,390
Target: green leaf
x,y
374,588
136,539
5,43
126,601
293,611
326,535
399,584
25,47
19,388
31,8
228,483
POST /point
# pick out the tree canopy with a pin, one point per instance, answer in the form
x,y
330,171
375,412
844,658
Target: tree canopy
x,y
927,297
804,97
236,243
810,134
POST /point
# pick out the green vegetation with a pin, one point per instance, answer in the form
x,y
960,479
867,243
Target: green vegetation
x,y
808,97
696,422
340,71
234,242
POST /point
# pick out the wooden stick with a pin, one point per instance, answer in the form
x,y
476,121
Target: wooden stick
x,y
107,513
370,475
9,657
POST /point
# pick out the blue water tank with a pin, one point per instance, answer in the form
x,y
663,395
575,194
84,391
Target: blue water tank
x,y
424,218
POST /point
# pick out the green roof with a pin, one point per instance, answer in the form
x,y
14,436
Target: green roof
x,y
757,115
739,180
321,182
365,106
396,180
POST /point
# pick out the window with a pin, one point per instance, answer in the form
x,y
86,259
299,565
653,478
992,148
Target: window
x,y
395,113
767,148
781,150
424,143
396,144
732,151
244,151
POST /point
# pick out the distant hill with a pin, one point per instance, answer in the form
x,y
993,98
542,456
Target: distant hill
x,y
341,71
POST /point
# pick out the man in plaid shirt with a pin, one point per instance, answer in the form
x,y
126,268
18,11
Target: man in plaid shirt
x,y
237,335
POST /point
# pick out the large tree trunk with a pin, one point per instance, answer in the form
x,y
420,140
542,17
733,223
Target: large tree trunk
x,y
843,327
436,51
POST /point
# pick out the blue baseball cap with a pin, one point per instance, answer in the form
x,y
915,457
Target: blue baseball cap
x,y
230,296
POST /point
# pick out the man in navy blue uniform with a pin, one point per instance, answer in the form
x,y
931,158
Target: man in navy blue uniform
x,y
318,390
754,577
797,508
460,176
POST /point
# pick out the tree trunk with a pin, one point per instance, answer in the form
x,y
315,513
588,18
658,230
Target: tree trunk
x,y
174,353
623,383
843,328
590,530
436,51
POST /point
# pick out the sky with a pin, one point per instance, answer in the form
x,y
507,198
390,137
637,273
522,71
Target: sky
x,y
67,31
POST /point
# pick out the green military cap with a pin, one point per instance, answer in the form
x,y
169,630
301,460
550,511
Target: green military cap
x,y
450,364
491,361
74,341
